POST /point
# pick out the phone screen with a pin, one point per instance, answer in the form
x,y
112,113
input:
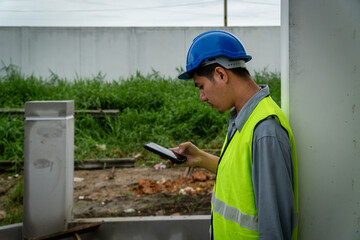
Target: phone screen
x,y
164,152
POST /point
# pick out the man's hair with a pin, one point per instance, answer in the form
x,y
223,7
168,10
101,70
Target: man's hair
x,y
208,71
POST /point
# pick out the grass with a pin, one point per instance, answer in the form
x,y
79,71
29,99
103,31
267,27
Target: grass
x,y
152,108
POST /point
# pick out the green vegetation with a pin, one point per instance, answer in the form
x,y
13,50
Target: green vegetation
x,y
11,204
272,79
152,108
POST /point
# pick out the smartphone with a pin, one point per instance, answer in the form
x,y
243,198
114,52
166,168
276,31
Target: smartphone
x,y
165,153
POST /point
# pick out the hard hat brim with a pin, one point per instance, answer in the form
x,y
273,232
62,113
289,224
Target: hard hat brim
x,y
186,75
223,61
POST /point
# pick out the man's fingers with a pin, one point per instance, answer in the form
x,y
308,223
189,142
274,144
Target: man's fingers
x,y
183,146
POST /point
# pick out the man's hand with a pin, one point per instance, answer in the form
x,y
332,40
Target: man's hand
x,y
191,152
196,157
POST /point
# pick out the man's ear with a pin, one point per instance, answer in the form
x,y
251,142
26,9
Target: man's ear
x,y
221,74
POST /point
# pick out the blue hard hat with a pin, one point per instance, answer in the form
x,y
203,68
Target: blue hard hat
x,y
213,44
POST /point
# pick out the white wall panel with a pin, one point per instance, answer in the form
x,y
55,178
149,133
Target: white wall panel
x,y
120,52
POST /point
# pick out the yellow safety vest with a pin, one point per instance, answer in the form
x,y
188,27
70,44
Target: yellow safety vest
x,y
234,213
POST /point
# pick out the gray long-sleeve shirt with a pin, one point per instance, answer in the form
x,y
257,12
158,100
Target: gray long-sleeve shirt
x,y
272,172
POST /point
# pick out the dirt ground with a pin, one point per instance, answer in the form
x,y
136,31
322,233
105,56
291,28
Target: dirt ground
x,y
128,192
142,192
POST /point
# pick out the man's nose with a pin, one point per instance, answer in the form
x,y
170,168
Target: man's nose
x,y
203,97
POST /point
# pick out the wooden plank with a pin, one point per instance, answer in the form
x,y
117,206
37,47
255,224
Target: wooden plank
x,y
6,165
19,112
87,164
211,150
13,112
69,232
77,236
98,112
105,163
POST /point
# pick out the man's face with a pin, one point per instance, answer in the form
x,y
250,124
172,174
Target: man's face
x,y
213,92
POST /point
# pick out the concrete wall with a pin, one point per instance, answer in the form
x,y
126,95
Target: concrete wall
x,y
194,227
323,82
11,232
120,52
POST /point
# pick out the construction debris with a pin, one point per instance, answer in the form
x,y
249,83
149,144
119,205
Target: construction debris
x,y
195,184
77,179
159,166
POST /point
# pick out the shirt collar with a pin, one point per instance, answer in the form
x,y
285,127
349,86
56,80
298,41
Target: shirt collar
x,y
245,112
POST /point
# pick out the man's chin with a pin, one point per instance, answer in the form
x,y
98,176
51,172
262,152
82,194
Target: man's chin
x,y
219,110
222,110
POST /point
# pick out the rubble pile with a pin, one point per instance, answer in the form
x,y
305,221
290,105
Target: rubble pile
x,y
197,183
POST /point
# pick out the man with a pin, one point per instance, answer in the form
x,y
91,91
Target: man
x,y
256,189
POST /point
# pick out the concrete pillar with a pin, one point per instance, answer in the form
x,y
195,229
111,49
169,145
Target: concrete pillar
x,y
48,167
322,57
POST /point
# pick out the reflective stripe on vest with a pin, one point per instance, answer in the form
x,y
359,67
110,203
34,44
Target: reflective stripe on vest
x,y
233,214
243,220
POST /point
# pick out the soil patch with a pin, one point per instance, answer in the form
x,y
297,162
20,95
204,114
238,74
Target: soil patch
x,y
142,192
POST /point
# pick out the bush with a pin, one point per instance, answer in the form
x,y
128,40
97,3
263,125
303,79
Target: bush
x,y
152,108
